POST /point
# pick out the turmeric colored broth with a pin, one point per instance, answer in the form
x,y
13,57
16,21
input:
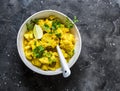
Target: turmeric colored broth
x,y
42,52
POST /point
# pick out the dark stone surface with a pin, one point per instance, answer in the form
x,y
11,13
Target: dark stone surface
x,y
98,67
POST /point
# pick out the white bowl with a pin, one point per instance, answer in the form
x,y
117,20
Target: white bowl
x,y
43,14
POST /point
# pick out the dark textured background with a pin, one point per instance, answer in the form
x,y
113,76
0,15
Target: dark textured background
x,y
98,67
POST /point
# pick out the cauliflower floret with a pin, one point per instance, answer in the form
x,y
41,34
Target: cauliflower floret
x,y
36,62
32,44
27,47
44,67
49,40
65,30
44,60
48,22
28,35
28,54
64,53
41,22
67,41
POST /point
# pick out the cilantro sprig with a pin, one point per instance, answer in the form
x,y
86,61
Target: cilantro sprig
x,y
38,51
46,27
75,20
69,24
55,24
30,25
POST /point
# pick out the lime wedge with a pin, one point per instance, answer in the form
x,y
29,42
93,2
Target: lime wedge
x,y
37,31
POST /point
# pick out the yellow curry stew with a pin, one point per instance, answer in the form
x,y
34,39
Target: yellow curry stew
x,y
42,52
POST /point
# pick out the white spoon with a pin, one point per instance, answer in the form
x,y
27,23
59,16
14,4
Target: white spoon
x,y
65,68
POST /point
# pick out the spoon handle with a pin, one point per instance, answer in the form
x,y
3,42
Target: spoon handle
x,y
65,68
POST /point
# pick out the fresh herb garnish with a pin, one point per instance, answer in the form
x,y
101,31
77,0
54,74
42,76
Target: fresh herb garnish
x,y
75,20
35,21
69,24
55,24
38,51
30,25
46,27
52,60
47,54
58,35
50,32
